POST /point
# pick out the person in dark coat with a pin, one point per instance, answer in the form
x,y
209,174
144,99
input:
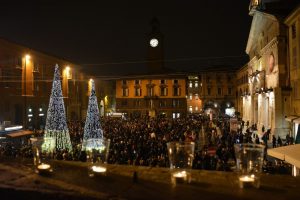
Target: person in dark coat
x,y
274,141
279,141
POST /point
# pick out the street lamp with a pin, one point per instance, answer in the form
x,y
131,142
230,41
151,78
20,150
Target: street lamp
x,y
68,74
27,58
105,104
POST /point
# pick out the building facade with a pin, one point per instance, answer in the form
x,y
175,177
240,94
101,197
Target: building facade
x,y
268,101
293,23
152,96
194,91
25,84
243,97
211,92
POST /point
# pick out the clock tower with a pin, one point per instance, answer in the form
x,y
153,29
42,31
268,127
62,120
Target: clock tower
x,y
155,46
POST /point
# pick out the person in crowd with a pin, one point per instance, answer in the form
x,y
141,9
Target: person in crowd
x,y
143,141
274,141
279,141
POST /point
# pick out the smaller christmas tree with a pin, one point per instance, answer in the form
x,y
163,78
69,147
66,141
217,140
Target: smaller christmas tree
x,y
93,134
56,123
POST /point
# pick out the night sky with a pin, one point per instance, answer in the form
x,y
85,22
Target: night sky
x,y
112,35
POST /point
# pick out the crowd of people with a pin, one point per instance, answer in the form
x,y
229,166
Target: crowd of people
x,y
143,142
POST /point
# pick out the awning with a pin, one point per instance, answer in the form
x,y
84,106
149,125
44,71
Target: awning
x,y
291,118
290,154
20,133
296,121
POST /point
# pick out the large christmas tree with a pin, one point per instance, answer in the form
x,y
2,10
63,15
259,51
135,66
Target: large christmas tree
x,y
93,134
56,124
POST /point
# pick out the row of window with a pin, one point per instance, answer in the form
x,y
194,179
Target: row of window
x,y
175,81
150,91
17,62
243,80
138,82
229,92
196,85
218,79
163,103
191,110
219,91
196,97
164,92
208,80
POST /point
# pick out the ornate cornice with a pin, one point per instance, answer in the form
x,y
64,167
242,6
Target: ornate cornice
x,y
269,46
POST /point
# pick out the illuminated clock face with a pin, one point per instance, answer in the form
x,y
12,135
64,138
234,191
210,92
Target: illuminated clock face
x,y
153,42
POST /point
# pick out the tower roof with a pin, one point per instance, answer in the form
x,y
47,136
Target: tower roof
x,y
155,25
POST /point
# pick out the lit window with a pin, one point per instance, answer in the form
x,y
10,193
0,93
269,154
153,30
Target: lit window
x,y
175,115
191,96
138,92
163,91
196,84
176,91
190,109
196,96
125,92
196,108
191,84
150,91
